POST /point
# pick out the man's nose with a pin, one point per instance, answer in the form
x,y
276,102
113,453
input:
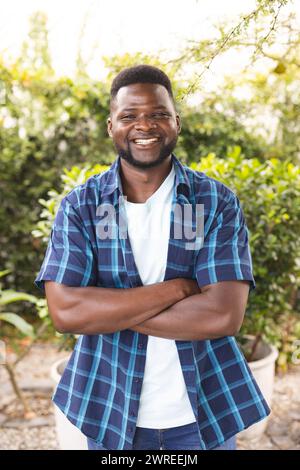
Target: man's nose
x,y
144,123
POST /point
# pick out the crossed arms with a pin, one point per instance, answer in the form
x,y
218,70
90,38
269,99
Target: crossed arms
x,y
174,309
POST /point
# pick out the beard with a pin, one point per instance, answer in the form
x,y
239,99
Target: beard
x,y
165,152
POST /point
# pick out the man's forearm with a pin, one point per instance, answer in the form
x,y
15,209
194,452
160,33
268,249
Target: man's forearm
x,y
96,310
218,311
193,318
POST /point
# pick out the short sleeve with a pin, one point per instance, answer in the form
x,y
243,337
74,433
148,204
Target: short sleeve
x,y
69,257
225,254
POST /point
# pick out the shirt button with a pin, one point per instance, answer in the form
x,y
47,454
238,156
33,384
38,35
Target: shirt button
x,y
140,346
132,413
136,379
130,429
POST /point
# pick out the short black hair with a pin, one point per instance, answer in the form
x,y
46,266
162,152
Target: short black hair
x,y
140,74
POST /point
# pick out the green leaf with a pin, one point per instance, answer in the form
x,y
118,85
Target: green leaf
x,y
3,273
18,322
9,296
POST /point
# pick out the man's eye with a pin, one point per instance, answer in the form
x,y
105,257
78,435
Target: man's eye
x,y
128,117
160,115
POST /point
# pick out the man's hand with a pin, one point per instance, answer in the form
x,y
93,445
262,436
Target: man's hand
x,y
189,286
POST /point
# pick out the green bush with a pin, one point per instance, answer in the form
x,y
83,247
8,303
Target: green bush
x,y
270,196
46,124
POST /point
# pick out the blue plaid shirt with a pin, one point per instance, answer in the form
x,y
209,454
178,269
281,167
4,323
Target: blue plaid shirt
x,y
100,388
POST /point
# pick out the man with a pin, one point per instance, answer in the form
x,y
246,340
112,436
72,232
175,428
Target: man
x,y
156,365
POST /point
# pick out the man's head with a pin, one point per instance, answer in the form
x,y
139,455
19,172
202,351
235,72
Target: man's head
x,y
143,122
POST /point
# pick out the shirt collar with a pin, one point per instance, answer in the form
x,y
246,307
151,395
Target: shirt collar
x,y
113,180
182,182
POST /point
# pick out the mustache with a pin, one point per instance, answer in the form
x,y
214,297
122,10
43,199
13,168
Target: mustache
x,y
127,155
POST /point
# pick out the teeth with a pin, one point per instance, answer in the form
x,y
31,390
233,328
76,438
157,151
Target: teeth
x,y
145,141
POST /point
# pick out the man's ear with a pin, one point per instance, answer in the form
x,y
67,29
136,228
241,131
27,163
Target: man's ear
x,y
178,121
109,126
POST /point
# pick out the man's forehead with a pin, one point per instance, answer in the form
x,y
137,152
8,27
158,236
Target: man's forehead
x,y
139,93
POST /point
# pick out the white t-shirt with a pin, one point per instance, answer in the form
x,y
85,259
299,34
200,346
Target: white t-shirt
x,y
164,401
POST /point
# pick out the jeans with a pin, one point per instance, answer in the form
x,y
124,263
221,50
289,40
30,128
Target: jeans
x,y
180,438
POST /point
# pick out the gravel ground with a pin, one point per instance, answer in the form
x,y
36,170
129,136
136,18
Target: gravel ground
x,y
283,431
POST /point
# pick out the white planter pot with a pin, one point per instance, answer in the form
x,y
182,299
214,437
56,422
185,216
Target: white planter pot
x,y
69,437
263,370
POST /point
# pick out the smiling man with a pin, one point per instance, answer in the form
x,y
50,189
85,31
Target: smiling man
x,y
156,365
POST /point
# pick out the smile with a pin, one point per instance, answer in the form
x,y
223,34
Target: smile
x,y
146,142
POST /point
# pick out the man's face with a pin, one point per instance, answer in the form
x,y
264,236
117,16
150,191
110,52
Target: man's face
x,y
143,124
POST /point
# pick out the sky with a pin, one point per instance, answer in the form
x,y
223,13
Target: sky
x,y
118,26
